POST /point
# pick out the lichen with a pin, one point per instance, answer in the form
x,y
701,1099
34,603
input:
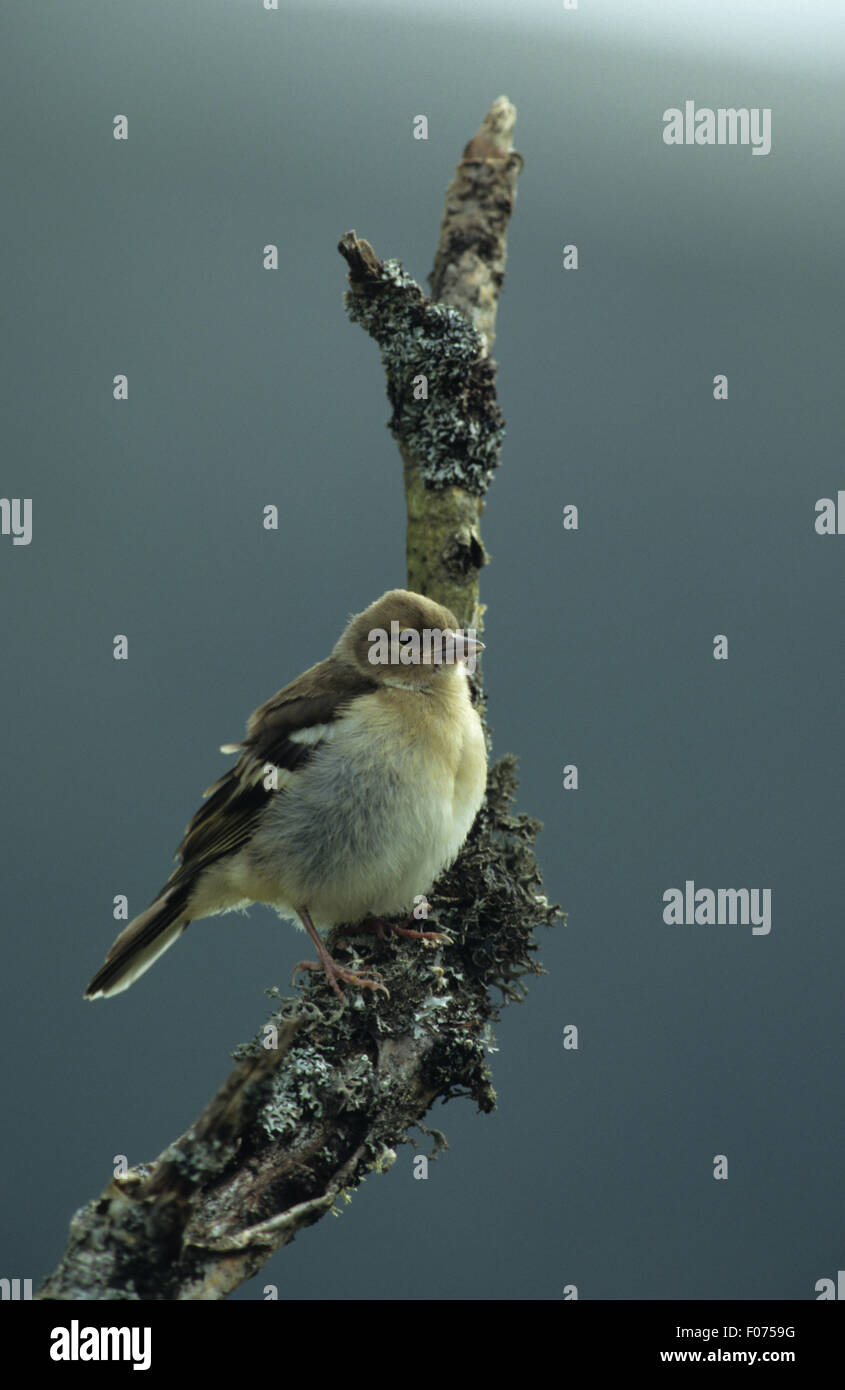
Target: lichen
x,y
299,1092
455,435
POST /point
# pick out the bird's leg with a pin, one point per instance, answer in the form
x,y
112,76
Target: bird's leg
x,y
379,926
330,967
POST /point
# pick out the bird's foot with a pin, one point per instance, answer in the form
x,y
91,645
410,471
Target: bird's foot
x,y
379,926
335,973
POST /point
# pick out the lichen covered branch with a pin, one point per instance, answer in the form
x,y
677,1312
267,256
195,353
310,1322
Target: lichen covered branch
x,y
323,1096
440,376
321,1099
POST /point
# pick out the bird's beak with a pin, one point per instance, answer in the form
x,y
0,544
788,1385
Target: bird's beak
x,y
461,646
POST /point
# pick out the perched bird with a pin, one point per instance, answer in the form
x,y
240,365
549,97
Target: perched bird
x,y
356,785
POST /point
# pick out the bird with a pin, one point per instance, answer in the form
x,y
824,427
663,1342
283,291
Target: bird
x,y
355,786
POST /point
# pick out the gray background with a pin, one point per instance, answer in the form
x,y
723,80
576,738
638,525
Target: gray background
x,y
247,388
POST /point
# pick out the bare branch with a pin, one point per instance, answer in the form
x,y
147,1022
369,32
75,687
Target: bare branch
x,y
469,267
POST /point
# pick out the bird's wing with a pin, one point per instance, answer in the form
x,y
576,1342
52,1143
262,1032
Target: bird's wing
x,y
285,732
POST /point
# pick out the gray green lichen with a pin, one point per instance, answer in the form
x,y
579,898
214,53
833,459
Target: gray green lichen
x,y
455,436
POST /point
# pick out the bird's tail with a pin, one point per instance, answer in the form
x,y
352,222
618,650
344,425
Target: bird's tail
x,y
142,942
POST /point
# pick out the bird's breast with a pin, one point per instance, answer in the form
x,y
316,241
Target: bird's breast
x,y
379,810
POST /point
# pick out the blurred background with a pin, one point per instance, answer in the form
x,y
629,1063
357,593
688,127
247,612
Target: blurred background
x,y
249,387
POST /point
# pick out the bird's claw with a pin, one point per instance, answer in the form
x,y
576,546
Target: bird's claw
x,y
336,972
379,926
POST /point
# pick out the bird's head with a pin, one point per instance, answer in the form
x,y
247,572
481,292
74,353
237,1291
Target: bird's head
x,y
407,639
